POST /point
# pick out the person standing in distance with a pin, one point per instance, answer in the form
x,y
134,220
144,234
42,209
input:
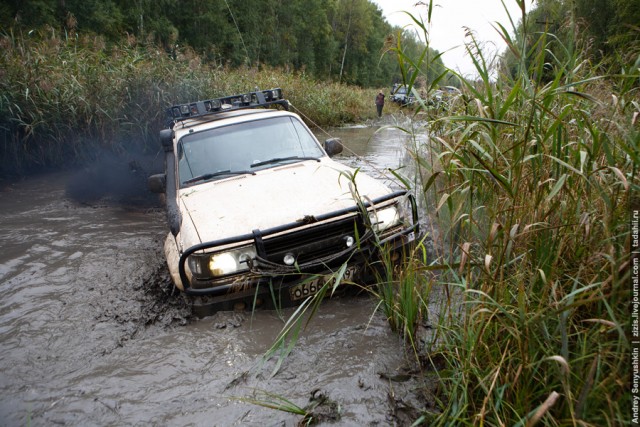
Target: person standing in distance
x,y
380,103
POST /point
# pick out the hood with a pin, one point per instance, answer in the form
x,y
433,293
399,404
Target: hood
x,y
272,197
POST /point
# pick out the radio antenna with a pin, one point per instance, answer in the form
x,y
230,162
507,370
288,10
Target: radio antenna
x,y
246,52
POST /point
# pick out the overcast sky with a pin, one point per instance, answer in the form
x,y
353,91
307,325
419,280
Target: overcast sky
x,y
448,20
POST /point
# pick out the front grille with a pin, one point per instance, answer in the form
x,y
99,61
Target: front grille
x,y
313,243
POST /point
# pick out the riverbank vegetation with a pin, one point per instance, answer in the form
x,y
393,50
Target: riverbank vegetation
x,y
79,76
65,99
529,176
330,40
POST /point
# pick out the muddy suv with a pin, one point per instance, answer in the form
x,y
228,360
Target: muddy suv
x,y
400,94
257,209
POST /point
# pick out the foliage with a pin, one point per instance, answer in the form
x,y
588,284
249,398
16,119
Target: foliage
x,y
528,181
605,32
63,99
341,40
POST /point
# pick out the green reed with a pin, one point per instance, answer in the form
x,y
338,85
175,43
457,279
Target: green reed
x,y
62,97
528,185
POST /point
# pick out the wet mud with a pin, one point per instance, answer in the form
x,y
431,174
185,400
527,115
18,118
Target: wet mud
x,y
93,333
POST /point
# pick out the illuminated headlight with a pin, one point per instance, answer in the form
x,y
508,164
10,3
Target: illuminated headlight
x,y
383,219
224,263
237,260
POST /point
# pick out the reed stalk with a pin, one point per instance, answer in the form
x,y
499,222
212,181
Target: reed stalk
x,y
528,183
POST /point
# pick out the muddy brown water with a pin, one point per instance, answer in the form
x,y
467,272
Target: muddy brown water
x,y
91,333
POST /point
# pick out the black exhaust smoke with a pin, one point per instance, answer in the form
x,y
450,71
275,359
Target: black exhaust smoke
x,y
120,179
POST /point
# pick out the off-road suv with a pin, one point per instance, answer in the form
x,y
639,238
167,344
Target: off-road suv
x,y
258,211
401,95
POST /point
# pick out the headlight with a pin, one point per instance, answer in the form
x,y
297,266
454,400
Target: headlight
x,y
205,266
224,263
384,218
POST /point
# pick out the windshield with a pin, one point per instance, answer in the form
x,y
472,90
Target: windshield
x,y
244,148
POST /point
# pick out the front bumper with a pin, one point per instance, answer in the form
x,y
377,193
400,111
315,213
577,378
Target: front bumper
x,y
269,275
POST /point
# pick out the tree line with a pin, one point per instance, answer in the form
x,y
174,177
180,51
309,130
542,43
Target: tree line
x,y
338,40
345,41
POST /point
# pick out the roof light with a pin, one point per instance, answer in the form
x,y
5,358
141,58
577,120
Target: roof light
x,y
211,106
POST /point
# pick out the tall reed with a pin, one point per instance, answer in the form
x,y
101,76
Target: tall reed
x,y
528,184
63,97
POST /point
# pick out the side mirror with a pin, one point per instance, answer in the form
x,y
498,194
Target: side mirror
x,y
157,183
333,146
166,139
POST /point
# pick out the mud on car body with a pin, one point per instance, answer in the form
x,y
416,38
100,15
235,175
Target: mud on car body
x,y
257,209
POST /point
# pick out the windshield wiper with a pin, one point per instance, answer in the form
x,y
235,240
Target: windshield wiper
x,y
207,176
282,159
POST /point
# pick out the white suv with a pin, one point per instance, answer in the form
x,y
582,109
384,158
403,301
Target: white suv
x,y
258,210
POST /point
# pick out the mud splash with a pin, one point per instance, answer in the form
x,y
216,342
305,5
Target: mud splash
x,y
93,334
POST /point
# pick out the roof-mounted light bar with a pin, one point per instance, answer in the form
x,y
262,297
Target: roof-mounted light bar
x,y
255,99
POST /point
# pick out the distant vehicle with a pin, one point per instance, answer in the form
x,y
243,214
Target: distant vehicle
x,y
443,97
450,90
257,209
436,99
401,95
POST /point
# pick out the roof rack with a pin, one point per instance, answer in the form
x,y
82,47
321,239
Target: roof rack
x,y
259,98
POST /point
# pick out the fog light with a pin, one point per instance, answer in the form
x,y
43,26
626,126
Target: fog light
x,y
349,241
289,259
